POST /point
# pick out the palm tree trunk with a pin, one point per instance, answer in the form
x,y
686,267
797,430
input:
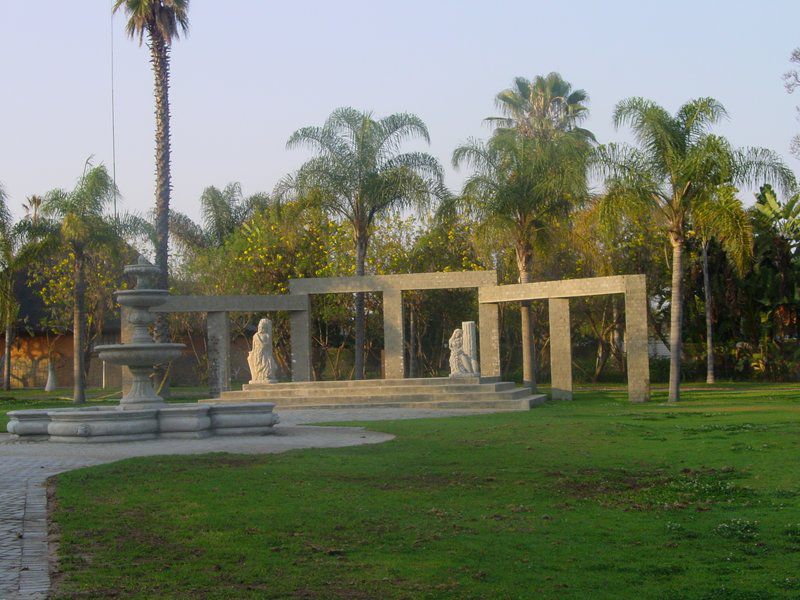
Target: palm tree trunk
x,y
526,321
79,329
709,317
361,258
676,320
7,356
159,57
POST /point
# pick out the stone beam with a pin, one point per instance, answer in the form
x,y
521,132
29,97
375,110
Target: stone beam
x,y
393,335
566,288
209,304
560,349
636,348
380,283
219,353
300,335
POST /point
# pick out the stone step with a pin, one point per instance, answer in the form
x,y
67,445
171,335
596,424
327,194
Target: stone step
x,y
524,403
352,399
373,390
352,383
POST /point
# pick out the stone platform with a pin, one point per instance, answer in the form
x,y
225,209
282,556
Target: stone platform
x,y
415,393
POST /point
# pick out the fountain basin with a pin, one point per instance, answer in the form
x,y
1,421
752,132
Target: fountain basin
x,y
111,424
142,299
139,354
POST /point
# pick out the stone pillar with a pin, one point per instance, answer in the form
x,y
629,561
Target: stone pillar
x,y
300,325
489,338
125,335
219,353
560,349
636,347
393,335
470,344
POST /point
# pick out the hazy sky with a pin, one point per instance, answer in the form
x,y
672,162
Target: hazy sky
x,y
251,72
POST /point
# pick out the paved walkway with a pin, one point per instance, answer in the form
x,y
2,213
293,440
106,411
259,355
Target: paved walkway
x,y
25,466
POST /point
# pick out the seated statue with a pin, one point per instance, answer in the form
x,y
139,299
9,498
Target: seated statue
x,y
263,368
461,363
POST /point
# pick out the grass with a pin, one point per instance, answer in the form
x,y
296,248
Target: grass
x,y
17,399
591,498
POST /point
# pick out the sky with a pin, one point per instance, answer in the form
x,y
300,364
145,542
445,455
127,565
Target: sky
x,y
250,72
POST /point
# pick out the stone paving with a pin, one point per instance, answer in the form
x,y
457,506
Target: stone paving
x,y
25,467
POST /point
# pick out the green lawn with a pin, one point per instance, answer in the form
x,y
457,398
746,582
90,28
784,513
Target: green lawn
x,y
594,498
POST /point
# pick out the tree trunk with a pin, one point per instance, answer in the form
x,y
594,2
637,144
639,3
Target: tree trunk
x,y
676,320
159,57
7,356
361,258
79,330
524,259
709,317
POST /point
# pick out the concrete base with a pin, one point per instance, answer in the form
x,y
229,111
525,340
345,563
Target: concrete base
x,y
463,392
97,424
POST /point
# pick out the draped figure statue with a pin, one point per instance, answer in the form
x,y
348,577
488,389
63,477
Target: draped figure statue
x,y
263,368
461,363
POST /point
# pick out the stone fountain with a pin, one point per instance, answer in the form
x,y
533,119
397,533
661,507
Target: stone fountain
x,y
141,353
141,414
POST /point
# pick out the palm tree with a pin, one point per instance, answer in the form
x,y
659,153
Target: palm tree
x,y
162,21
544,109
8,304
676,165
222,213
521,188
721,216
359,173
76,219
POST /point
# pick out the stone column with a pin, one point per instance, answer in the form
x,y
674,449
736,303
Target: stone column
x,y
470,344
489,338
636,347
219,353
125,335
560,349
393,335
300,324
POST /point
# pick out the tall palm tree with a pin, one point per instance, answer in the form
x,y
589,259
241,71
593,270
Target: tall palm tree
x,y
359,173
521,188
162,21
676,164
544,109
76,219
8,304
721,216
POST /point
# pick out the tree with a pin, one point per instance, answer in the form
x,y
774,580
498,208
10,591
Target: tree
x,y
162,21
520,189
673,170
75,220
222,213
544,109
791,80
722,217
8,304
359,173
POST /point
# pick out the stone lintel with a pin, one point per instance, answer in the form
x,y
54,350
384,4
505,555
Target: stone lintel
x,y
566,288
176,304
381,283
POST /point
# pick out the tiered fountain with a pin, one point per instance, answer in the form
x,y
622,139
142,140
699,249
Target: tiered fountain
x,y
142,414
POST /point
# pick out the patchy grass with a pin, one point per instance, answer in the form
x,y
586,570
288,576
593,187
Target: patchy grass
x,y
62,398
591,498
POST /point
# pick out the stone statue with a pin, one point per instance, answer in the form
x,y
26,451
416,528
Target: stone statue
x,y
461,364
263,368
